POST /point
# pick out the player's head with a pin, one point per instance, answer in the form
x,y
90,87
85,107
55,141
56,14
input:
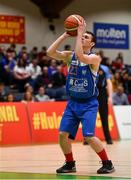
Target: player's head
x,y
89,39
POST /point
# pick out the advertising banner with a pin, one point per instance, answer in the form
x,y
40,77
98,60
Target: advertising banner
x,y
34,123
112,36
45,120
12,29
14,124
112,125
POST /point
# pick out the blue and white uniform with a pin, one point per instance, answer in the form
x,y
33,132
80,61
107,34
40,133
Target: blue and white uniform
x,y
82,105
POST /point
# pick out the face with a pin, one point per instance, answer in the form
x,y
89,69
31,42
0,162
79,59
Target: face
x,y
41,91
30,89
10,98
1,87
28,96
87,40
45,70
120,89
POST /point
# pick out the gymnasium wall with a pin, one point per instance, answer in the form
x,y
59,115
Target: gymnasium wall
x,y
37,27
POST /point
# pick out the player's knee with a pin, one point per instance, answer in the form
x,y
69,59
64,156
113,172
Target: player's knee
x,y
63,135
88,139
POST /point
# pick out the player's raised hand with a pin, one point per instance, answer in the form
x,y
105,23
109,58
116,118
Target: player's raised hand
x,y
82,26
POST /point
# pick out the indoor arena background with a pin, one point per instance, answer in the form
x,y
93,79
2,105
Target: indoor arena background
x,y
29,146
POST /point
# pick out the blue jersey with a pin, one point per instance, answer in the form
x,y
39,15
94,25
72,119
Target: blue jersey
x,y
81,80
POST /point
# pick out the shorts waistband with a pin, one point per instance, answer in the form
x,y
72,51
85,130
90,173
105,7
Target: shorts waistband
x,y
83,100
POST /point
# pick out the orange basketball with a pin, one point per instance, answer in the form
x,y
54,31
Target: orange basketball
x,y
71,24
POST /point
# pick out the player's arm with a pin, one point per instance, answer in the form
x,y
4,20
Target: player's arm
x,y
109,89
109,83
87,59
53,51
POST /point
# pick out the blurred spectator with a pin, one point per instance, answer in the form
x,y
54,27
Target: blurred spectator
x,y
119,97
129,88
2,52
10,98
25,57
117,64
57,90
29,88
13,49
43,79
64,68
116,80
21,74
129,98
58,79
7,66
126,82
33,53
120,55
41,96
43,53
104,59
44,60
52,68
28,97
35,71
3,92
129,84
128,68
23,50
2,56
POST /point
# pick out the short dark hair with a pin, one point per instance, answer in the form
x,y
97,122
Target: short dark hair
x,y
93,36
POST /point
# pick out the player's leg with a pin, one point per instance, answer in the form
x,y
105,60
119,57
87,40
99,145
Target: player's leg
x,y
68,129
65,144
96,144
88,128
103,110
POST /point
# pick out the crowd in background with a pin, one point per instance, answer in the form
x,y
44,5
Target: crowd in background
x,y
34,77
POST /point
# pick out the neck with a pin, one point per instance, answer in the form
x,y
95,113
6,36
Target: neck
x,y
86,50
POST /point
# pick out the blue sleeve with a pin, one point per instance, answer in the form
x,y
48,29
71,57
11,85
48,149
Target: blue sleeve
x,y
107,72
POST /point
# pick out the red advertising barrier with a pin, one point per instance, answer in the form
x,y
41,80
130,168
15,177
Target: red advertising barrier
x,y
112,125
45,119
14,124
39,123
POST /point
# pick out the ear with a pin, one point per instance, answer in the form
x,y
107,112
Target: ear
x,y
92,44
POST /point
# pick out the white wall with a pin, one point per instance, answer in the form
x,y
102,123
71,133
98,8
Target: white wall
x,y
37,30
123,121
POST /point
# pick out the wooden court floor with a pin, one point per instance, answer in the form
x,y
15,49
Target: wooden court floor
x,y
45,159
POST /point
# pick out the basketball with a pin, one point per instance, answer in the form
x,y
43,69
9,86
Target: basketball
x,y
71,24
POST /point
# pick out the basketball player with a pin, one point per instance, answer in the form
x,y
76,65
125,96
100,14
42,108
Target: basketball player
x,y
82,105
